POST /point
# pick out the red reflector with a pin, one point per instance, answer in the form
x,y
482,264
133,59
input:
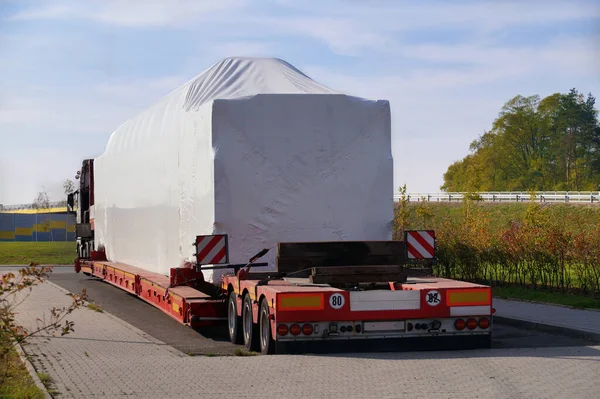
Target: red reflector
x,y
307,329
295,329
459,324
282,329
484,323
472,324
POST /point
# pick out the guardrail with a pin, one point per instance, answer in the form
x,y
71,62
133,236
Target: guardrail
x,y
540,196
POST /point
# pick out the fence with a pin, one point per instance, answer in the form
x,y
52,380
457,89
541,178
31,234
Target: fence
x,y
54,204
37,227
540,196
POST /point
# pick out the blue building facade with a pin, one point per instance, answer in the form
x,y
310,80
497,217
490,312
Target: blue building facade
x,y
51,226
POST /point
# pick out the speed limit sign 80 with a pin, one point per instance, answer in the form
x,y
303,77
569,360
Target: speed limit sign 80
x,y
337,301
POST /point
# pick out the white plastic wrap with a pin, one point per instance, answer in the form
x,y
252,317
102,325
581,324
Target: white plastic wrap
x,y
251,148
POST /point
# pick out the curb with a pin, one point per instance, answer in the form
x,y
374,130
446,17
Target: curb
x,y
32,372
591,336
545,303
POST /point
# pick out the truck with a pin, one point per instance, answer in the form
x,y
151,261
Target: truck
x,y
252,177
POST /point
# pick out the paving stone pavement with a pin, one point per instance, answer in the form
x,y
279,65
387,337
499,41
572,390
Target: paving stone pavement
x,y
559,316
106,357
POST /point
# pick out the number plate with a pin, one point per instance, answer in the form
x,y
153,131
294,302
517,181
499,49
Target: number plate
x,y
374,326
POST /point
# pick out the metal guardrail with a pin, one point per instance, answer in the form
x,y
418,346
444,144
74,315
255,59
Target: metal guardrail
x,y
514,196
491,196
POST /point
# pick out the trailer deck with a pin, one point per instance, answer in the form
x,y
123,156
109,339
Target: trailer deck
x,y
186,304
268,311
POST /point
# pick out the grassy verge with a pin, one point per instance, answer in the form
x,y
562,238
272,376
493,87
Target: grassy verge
x,y
47,253
557,298
15,381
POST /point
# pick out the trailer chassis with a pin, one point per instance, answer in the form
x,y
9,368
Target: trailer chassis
x,y
289,310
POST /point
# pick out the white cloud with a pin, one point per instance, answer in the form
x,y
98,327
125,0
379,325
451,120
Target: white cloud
x,y
133,13
437,112
355,27
443,93
344,36
243,48
23,175
403,16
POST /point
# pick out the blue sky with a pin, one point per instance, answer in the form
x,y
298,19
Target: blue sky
x,y
72,71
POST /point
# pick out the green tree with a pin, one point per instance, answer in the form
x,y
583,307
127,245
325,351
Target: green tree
x,y
534,144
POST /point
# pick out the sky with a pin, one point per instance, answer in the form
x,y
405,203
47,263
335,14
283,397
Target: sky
x,y
72,71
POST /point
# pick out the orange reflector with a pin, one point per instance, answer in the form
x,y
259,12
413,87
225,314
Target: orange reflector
x,y
472,324
472,297
307,329
295,329
282,329
459,324
300,301
484,323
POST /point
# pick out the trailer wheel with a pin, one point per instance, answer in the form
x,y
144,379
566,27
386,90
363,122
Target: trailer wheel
x,y
250,329
267,343
233,320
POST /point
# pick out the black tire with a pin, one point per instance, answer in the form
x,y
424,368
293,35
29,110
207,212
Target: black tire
x,y
250,329
234,321
267,343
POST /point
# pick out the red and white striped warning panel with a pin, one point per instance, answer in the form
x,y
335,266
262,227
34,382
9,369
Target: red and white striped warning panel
x,y
420,244
212,250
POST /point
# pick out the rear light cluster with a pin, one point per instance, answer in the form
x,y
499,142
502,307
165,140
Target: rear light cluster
x,y
295,329
417,326
471,323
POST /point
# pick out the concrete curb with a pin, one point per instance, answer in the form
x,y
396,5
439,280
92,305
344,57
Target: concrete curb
x,y
546,303
593,337
32,371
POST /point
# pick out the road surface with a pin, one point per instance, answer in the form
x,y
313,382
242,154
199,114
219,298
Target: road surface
x,y
107,356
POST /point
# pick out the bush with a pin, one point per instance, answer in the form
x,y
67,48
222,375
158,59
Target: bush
x,y
553,247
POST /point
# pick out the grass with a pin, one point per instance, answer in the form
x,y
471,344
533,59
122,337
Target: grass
x,y
16,383
46,253
95,307
546,296
243,352
48,383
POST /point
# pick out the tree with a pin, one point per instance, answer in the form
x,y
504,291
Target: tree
x,y
534,144
42,203
68,186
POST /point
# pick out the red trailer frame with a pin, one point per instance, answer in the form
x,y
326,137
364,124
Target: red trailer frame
x,y
270,311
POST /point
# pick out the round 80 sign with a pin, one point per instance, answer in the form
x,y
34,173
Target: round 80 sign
x,y
337,301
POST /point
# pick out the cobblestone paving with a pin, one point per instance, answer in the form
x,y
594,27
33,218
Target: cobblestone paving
x,y
106,357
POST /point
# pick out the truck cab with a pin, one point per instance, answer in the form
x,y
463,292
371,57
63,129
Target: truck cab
x,y
81,203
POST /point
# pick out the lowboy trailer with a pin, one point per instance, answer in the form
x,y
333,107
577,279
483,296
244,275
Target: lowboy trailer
x,y
321,292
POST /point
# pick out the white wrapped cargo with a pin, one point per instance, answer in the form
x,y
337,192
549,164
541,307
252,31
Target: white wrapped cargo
x,y
252,148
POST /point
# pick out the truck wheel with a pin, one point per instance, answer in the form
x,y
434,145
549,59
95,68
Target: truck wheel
x,y
234,321
267,343
251,333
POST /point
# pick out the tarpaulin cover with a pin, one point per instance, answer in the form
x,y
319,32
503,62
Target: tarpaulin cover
x,y
252,148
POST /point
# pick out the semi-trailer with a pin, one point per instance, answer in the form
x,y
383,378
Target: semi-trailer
x,y
255,197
